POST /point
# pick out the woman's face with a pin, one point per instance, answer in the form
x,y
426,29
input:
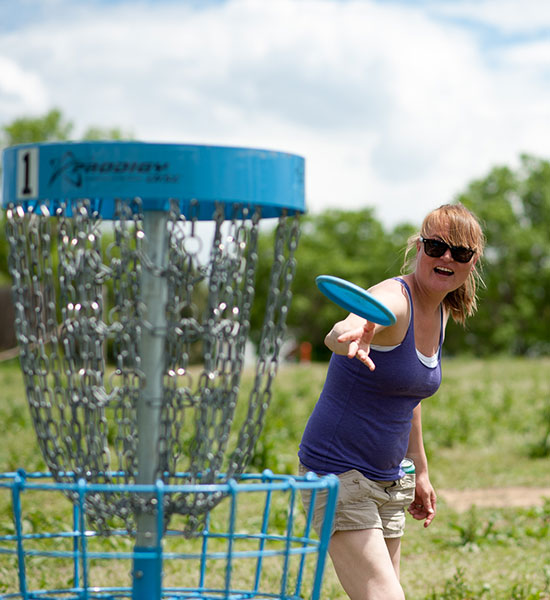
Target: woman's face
x,y
443,274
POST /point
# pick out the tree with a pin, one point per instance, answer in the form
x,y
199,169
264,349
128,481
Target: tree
x,y
50,127
100,133
26,130
514,309
514,305
513,205
350,245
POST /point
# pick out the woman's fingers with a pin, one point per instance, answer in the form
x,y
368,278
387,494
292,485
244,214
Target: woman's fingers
x,y
352,348
359,343
352,334
364,333
364,357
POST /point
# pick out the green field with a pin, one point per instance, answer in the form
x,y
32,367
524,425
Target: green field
x,y
487,427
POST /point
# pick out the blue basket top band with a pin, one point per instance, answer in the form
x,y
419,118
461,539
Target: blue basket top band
x,y
197,177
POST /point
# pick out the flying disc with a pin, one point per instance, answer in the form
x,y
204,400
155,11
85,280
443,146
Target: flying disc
x,y
355,299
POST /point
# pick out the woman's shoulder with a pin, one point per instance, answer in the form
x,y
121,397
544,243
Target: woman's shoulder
x,y
393,293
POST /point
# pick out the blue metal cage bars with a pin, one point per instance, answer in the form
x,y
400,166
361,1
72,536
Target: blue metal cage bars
x,y
225,554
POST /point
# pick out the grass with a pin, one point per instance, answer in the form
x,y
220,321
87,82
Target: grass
x,y
488,426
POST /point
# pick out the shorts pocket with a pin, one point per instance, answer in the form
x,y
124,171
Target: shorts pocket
x,y
405,488
351,491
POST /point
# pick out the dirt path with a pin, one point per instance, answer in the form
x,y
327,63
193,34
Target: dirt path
x,y
462,500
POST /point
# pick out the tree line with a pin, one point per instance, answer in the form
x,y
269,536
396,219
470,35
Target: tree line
x,y
513,206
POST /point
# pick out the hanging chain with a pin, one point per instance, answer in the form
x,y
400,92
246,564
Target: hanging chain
x,y
79,320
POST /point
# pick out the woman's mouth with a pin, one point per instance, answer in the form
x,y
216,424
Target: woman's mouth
x,y
444,271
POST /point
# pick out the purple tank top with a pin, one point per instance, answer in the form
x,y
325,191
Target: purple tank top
x,y
362,419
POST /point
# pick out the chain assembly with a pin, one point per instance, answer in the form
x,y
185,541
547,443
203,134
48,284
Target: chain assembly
x,y
83,288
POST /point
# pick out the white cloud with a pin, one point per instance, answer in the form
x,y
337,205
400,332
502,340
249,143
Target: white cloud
x,y
506,16
391,106
20,89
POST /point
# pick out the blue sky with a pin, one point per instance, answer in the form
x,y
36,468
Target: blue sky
x,y
395,104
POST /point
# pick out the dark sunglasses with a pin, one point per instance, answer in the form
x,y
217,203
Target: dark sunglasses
x,y
437,248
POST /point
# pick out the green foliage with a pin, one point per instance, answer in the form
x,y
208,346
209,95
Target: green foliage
x,y
541,447
52,127
474,531
514,312
26,130
514,207
101,133
276,449
456,588
479,427
49,127
479,554
351,245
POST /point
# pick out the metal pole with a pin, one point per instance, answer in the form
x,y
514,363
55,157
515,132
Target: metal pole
x,y
147,572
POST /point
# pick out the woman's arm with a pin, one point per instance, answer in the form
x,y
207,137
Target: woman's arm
x,y
424,503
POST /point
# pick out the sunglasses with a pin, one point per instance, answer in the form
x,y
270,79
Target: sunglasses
x,y
437,248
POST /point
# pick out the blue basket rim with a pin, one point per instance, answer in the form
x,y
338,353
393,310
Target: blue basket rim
x,y
245,482
51,175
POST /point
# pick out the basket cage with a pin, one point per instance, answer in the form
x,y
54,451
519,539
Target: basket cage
x,y
258,543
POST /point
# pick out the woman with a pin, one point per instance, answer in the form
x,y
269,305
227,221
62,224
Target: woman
x,y
368,417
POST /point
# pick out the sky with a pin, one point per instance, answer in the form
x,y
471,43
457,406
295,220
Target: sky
x,y
396,105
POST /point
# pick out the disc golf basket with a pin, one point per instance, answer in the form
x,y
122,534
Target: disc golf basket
x,y
134,280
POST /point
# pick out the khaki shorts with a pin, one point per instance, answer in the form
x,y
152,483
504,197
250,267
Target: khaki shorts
x,y
365,504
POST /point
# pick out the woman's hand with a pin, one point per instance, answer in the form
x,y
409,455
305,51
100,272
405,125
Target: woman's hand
x,y
359,340
424,504
353,336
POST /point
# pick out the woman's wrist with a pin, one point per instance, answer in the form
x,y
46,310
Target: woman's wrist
x,y
420,464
